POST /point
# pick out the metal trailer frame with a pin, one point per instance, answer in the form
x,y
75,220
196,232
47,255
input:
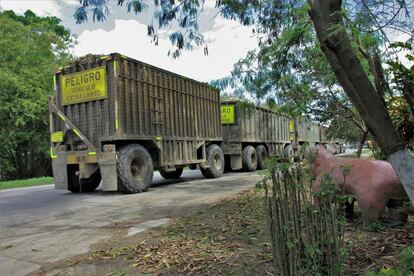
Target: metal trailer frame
x,y
172,116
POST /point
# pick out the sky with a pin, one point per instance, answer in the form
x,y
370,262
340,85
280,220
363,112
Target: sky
x,y
126,33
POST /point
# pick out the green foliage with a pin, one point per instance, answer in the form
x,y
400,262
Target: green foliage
x,y
407,259
306,238
25,182
386,272
375,226
31,47
52,23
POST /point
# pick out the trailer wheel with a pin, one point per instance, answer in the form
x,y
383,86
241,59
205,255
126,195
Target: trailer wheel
x,y
84,185
73,179
298,155
134,169
306,151
171,175
261,156
249,159
288,154
215,158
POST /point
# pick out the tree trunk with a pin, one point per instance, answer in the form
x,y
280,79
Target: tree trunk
x,y
333,38
361,143
408,93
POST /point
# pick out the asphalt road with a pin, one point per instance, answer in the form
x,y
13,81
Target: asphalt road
x,y
40,225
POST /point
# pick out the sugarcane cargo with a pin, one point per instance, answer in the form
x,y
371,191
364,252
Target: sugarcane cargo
x,y
117,119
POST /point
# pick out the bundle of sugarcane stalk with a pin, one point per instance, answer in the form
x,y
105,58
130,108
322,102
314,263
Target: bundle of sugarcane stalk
x,y
306,238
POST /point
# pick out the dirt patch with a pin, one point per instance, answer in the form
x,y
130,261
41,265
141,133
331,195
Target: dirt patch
x,y
370,251
228,237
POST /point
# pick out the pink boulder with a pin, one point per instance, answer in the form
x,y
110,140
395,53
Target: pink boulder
x,y
372,182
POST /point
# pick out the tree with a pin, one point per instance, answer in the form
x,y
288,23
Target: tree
x,y
335,44
292,71
329,19
31,47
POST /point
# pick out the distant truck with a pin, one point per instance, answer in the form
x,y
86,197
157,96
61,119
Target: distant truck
x,y
115,120
252,133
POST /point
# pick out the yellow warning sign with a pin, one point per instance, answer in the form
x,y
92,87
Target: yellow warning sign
x,y
227,114
88,85
56,137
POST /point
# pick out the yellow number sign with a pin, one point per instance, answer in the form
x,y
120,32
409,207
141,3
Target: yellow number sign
x,y
227,114
84,86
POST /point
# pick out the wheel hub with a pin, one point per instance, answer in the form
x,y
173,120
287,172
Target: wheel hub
x,y
138,168
217,161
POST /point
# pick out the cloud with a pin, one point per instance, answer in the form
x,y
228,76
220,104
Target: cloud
x,y
129,37
126,33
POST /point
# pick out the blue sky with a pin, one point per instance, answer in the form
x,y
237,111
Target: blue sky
x,y
125,32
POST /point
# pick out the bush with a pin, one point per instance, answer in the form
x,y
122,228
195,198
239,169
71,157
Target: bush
x,y
306,238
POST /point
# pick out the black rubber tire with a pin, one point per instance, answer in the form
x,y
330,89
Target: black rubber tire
x,y
249,159
73,179
261,156
84,185
134,169
288,154
298,155
173,174
215,158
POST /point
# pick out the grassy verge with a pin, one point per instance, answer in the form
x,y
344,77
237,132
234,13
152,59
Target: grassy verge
x,y
25,182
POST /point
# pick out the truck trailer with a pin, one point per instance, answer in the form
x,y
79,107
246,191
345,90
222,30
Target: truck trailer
x,y
117,119
252,133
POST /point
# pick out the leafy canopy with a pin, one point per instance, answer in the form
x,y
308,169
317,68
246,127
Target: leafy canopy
x,y
31,47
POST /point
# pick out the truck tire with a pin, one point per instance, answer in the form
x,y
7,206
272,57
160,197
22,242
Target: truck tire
x,y
134,169
288,154
215,158
261,156
84,185
173,174
298,155
249,159
306,151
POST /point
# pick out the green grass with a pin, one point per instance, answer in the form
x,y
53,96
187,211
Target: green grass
x,y
366,151
25,182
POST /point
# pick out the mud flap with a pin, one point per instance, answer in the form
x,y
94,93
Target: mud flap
x,y
107,164
236,162
60,173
